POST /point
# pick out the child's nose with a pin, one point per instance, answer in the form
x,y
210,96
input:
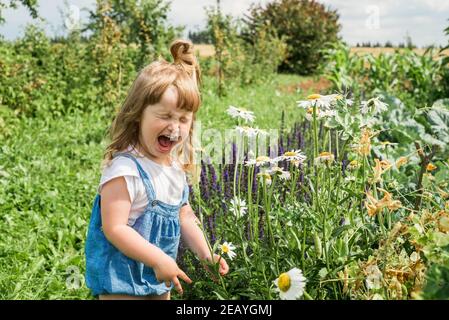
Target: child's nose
x,y
174,125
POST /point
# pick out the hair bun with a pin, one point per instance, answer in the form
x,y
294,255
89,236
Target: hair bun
x,y
182,52
183,55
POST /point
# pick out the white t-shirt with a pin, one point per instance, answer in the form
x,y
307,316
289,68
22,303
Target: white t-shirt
x,y
168,181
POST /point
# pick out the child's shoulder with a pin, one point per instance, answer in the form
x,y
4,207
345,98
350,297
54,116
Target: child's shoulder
x,y
122,165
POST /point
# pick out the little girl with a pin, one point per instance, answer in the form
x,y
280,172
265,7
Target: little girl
x,y
142,207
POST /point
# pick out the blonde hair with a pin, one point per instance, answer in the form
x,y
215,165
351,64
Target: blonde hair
x,y
152,81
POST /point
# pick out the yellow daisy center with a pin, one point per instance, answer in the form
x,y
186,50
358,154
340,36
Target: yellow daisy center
x,y
284,282
262,159
290,154
225,248
314,96
325,154
264,175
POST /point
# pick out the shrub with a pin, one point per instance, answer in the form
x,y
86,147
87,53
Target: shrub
x,y
306,25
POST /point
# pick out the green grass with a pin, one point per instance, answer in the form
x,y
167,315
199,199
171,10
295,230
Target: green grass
x,y
266,100
49,170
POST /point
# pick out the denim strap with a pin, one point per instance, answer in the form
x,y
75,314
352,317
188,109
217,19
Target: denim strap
x,y
146,180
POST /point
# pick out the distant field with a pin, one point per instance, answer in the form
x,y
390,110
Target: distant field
x,y
377,51
207,50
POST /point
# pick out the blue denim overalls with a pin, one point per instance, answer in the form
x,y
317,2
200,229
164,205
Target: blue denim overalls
x,y
108,271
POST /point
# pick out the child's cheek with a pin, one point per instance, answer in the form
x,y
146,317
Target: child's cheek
x,y
184,132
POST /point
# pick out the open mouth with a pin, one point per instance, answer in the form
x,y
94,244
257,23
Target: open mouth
x,y
166,142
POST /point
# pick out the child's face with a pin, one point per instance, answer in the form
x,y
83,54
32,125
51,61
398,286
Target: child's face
x,y
164,126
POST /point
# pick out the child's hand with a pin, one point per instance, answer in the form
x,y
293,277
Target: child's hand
x,y
166,270
223,267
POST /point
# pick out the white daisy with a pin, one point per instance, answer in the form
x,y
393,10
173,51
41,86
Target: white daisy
x,y
238,207
324,157
264,176
322,101
284,175
260,161
246,115
319,100
228,248
320,114
293,155
291,284
373,105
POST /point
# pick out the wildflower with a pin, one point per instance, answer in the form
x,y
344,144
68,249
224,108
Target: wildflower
x,y
431,167
324,157
385,165
371,205
379,169
296,163
260,161
291,156
284,175
246,115
373,105
364,146
377,172
228,248
309,113
354,164
319,114
320,101
291,284
388,201
401,161
264,176
374,206
373,277
238,206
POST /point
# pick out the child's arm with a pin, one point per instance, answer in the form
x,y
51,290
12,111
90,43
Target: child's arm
x,y
115,208
195,240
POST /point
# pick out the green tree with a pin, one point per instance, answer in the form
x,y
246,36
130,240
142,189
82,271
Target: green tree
x,y
31,5
140,22
306,25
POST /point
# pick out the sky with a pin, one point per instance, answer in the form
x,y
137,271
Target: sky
x,y
361,20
